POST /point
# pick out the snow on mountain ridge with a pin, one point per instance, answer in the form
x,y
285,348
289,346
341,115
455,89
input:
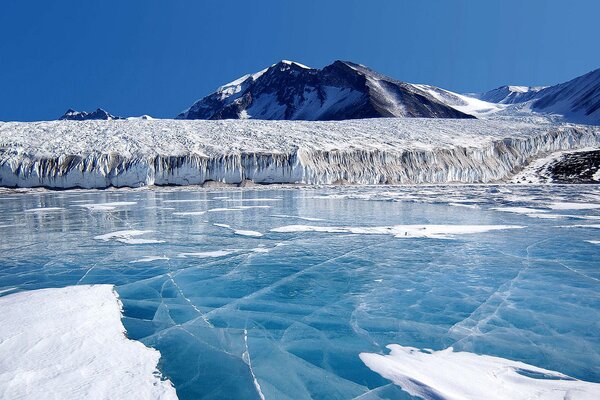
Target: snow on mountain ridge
x,y
343,90
99,114
577,100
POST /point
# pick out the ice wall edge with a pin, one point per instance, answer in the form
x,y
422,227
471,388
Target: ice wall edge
x,y
496,161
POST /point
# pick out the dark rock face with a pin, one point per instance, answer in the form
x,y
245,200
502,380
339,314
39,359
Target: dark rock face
x,y
85,116
577,167
342,90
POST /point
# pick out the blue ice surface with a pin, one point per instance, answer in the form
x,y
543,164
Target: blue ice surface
x,y
285,315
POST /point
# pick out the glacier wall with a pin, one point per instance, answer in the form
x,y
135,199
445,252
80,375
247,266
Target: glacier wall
x,y
492,161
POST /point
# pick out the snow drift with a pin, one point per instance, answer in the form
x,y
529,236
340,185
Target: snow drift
x,y
133,153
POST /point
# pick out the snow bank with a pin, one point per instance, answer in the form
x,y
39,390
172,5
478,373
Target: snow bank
x,y
449,375
98,154
69,343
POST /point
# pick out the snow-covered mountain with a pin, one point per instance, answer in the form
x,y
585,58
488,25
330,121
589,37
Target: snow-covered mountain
x,y
343,90
577,100
508,94
99,114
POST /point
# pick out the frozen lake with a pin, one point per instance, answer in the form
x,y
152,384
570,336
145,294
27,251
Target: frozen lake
x,y
274,293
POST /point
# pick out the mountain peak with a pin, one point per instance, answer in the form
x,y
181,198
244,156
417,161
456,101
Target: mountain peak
x,y
289,90
99,114
294,63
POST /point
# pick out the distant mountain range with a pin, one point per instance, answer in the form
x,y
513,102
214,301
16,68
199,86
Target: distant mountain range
x,y
84,115
345,90
577,100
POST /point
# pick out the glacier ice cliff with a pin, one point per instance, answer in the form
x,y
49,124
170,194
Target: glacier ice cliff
x,y
133,153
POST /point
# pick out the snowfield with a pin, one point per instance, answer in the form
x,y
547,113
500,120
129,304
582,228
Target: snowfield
x,y
99,154
69,343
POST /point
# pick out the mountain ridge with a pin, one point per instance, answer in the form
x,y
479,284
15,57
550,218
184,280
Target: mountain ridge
x,y
342,90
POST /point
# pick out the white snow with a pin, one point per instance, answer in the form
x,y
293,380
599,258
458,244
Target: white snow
x,y
69,343
107,206
208,254
43,210
449,375
184,213
465,104
128,237
519,210
243,232
148,259
573,206
99,154
400,231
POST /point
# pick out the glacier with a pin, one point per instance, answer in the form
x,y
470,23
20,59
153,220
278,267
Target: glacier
x,y
134,153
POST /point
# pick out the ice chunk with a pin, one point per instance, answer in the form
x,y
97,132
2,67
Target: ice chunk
x,y
69,343
449,375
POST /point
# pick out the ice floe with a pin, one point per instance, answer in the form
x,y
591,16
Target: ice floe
x,y
449,375
69,343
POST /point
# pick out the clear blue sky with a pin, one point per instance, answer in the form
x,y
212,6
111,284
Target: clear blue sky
x,y
154,57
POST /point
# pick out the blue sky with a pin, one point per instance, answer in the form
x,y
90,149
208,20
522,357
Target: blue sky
x,y
154,57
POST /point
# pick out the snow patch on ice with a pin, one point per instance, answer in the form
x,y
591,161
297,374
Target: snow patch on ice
x,y
107,206
243,232
449,375
573,206
148,259
208,254
43,210
128,237
519,210
69,343
400,231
